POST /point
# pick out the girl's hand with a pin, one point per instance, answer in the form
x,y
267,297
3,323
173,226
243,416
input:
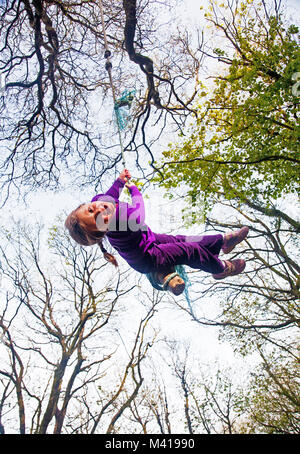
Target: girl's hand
x,y
125,175
129,185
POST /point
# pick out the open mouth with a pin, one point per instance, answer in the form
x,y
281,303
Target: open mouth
x,y
102,218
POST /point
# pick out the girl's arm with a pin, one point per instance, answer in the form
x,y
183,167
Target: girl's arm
x,y
115,190
138,207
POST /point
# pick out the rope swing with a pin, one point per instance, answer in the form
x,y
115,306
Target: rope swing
x,y
108,67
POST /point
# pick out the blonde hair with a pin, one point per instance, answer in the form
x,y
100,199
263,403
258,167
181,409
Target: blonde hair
x,y
84,238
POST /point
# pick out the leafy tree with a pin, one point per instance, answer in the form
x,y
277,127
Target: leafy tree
x,y
247,134
272,400
209,396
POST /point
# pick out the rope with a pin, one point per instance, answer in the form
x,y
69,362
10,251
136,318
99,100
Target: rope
x,y
108,67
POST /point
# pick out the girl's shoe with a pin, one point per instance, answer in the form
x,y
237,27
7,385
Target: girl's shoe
x,y
233,238
232,268
172,282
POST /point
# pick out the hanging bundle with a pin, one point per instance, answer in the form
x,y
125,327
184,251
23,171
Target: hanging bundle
x,y
179,271
122,108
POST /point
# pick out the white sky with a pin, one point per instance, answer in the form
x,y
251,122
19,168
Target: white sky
x,y
48,204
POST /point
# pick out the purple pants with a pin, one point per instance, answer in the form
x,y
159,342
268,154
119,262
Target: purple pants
x,y
199,252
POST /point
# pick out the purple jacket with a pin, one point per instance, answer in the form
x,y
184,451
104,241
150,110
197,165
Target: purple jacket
x,y
128,233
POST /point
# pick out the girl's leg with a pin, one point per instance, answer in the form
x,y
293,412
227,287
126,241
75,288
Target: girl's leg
x,y
199,252
162,238
232,268
232,239
212,242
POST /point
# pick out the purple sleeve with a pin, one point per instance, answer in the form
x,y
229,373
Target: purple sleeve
x,y
138,207
114,191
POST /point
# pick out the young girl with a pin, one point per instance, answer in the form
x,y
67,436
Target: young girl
x,y
145,251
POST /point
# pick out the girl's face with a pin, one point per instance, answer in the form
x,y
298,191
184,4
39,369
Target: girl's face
x,y
96,216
